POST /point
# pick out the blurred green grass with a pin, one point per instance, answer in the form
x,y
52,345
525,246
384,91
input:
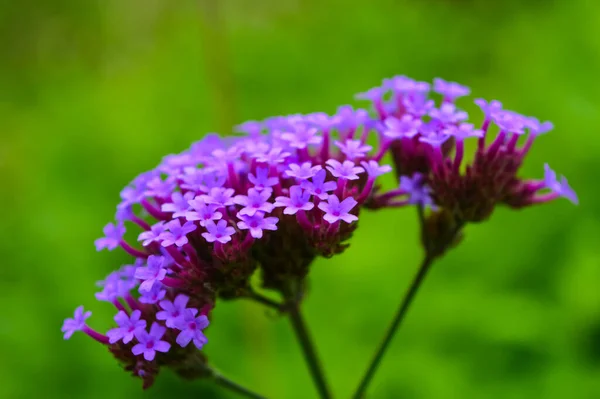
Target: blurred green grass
x,y
92,93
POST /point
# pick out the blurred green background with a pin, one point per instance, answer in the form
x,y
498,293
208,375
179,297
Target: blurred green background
x,y
94,92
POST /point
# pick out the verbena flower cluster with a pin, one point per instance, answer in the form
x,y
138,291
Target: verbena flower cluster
x,y
289,189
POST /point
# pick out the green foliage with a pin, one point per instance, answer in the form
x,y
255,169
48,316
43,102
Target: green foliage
x,y
94,92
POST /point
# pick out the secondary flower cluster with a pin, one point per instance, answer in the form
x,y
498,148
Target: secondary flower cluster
x,y
287,190
427,144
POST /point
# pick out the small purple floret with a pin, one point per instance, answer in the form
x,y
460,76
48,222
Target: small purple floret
x,y
172,312
302,172
299,200
128,327
257,223
560,187
336,210
203,211
153,272
150,343
191,329
318,186
346,170
77,323
113,234
255,201
176,233
220,232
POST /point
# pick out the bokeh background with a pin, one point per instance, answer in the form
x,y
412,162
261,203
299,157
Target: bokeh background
x,y
94,92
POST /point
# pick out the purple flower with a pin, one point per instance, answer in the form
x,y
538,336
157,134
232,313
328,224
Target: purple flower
x,y
450,90
463,131
262,180
353,148
319,187
433,134
218,232
336,210
254,201
302,172
150,343
252,128
176,233
399,83
77,323
448,113
159,188
257,223
535,127
488,108
153,272
347,170
128,326
212,178
148,237
508,121
418,192
274,156
302,136
154,295
349,118
373,94
191,329
418,104
173,312
298,200
178,205
113,234
322,120
202,211
373,168
193,179
219,196
561,188
116,285
407,126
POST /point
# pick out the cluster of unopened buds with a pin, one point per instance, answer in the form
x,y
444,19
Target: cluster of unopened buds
x,y
287,190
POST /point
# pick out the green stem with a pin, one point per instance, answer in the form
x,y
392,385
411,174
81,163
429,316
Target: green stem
x,y
256,297
219,379
431,253
396,322
308,350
